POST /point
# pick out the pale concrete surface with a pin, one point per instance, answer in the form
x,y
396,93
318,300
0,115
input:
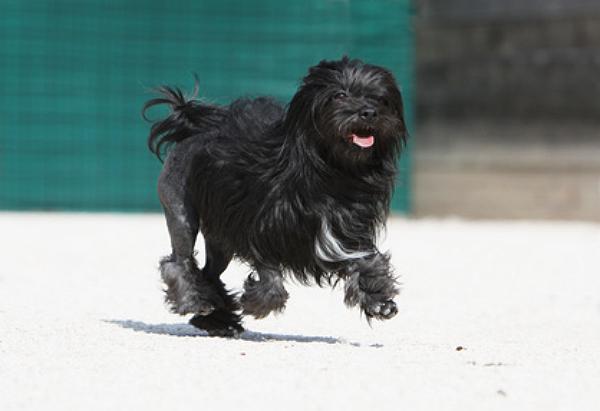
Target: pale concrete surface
x,y
511,170
83,327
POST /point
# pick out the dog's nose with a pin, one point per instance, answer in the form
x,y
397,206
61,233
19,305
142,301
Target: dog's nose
x,y
368,114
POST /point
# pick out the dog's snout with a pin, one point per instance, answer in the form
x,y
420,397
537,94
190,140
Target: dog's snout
x,y
368,113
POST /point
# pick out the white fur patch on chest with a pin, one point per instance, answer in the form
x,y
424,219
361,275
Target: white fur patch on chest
x,y
330,249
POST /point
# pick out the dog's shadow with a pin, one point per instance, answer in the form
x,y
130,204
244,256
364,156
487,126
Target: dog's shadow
x,y
187,330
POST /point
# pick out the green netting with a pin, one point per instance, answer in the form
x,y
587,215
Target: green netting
x,y
74,75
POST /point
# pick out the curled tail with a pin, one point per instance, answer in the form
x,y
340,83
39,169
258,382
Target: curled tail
x,y
188,117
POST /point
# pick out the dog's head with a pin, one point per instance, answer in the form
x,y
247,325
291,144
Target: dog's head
x,y
353,111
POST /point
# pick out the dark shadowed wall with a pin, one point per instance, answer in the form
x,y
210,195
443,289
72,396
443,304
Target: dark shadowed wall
x,y
508,109
517,58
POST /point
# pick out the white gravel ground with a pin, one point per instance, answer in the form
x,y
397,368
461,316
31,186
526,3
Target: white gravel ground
x,y
83,326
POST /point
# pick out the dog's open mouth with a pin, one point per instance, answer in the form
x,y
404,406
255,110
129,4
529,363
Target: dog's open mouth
x,y
363,138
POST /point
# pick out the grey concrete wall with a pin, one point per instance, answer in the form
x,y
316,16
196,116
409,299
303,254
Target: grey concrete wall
x,y
482,169
508,109
503,9
521,59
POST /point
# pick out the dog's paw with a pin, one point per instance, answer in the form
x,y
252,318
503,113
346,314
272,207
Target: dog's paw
x,y
263,297
382,310
187,292
228,332
193,301
261,309
194,306
220,323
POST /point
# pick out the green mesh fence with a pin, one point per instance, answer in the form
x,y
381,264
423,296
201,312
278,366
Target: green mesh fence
x,y
74,75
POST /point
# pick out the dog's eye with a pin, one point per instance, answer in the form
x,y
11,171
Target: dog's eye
x,y
340,96
382,100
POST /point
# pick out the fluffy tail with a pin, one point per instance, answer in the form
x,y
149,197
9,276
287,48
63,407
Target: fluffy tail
x,y
188,117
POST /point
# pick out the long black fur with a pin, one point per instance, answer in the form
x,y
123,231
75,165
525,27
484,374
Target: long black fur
x,y
282,188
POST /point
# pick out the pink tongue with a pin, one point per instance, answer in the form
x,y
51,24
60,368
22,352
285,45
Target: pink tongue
x,y
363,142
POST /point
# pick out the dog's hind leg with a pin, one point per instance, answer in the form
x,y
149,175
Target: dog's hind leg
x,y
223,321
188,290
370,284
265,294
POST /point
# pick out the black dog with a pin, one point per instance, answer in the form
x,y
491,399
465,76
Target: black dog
x,y
301,190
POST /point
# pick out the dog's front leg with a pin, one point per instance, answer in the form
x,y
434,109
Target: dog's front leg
x,y
264,294
370,284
